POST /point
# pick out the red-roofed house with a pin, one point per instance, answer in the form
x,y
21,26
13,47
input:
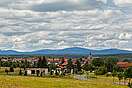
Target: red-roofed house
x,y
124,65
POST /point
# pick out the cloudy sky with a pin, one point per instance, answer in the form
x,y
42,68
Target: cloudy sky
x,y
27,25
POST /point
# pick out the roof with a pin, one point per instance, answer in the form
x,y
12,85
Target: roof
x,y
122,64
130,64
54,60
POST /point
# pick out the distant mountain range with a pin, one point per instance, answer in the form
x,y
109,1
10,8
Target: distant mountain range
x,y
67,51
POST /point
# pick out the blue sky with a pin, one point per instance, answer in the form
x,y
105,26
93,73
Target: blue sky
x,y
27,25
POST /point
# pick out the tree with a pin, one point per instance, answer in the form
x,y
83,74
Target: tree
x,y
126,60
42,62
0,63
109,67
120,76
11,69
114,73
129,74
125,76
62,60
98,62
52,66
88,67
101,71
37,72
26,64
130,85
110,64
39,64
78,66
41,74
118,69
6,70
20,72
69,65
25,73
56,72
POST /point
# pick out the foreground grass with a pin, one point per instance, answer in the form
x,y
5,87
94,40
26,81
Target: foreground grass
x,y
36,82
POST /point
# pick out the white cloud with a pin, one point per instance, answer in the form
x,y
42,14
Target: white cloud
x,y
125,36
123,2
25,29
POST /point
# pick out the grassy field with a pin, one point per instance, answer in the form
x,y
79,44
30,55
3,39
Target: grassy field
x,y
37,82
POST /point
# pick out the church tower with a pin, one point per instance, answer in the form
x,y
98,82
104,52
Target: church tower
x,y
90,55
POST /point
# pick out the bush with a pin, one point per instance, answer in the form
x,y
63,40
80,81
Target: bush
x,y
130,85
101,71
11,69
6,70
20,72
80,72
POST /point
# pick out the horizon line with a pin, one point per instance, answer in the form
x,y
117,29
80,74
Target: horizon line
x,y
62,49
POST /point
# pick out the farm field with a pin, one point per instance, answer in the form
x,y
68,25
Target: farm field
x,y
37,82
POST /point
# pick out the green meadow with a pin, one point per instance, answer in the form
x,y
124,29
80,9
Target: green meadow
x,y
38,82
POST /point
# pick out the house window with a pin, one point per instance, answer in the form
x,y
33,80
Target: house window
x,y
32,71
37,71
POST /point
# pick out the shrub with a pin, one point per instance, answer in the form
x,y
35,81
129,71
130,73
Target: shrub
x,y
11,69
101,71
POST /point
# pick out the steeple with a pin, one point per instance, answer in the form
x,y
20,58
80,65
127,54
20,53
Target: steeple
x,y
90,55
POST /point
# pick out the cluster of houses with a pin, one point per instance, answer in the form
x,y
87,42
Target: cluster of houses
x,y
124,65
61,66
60,63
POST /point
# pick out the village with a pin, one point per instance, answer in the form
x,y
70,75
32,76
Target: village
x,y
42,65
58,64
83,68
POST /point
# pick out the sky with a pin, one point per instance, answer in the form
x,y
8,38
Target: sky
x,y
27,25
